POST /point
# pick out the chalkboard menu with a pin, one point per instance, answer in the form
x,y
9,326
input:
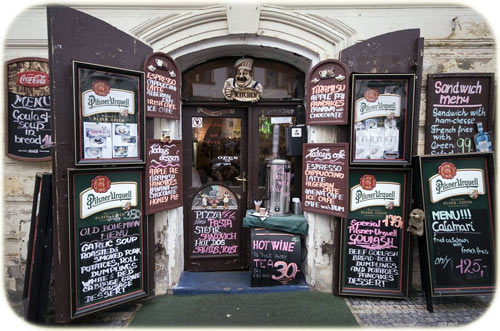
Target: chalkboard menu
x,y
458,204
374,242
327,93
215,217
107,238
164,175
456,104
109,115
163,90
325,178
275,257
28,109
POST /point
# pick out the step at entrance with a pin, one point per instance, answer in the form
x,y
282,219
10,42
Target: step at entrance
x,y
228,282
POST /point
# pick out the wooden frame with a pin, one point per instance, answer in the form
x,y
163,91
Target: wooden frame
x,y
109,115
35,127
382,119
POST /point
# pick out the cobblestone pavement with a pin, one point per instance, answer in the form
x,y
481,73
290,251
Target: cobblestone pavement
x,y
448,311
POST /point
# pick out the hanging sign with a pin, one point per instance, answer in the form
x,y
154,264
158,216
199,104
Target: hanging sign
x,y
459,222
374,243
163,175
109,116
107,238
327,93
28,109
163,88
459,106
325,179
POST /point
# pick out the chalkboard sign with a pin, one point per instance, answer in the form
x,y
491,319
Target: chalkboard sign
x,y
107,238
164,175
325,178
275,257
459,224
28,109
163,90
374,242
327,101
215,225
456,104
39,259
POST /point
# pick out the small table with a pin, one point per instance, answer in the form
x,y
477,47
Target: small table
x,y
290,223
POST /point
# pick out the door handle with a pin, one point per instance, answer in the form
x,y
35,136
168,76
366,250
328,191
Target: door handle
x,y
243,181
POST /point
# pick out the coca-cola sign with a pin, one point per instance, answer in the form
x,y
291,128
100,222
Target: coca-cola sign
x,y
32,79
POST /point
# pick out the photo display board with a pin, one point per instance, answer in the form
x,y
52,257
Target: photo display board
x,y
275,258
28,109
456,104
459,223
109,115
327,94
163,88
163,175
381,118
325,179
107,238
374,242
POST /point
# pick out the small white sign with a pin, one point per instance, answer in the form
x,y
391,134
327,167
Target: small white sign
x,y
197,122
281,120
296,132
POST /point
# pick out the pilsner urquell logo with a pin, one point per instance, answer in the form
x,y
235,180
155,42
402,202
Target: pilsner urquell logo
x,y
449,182
369,193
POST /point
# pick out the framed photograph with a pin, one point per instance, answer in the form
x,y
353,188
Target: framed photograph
x,y
109,115
381,118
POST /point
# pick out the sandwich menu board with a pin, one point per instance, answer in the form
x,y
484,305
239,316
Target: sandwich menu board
x,y
107,238
459,226
374,242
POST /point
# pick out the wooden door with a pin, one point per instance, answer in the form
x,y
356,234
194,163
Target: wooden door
x,y
215,188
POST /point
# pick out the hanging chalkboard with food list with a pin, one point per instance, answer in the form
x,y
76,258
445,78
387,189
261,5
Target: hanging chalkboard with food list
x,y
325,178
459,106
327,90
458,201
374,242
28,110
163,175
107,238
163,90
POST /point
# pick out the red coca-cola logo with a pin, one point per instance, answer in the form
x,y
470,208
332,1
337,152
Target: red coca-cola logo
x,y
447,170
32,79
101,184
101,88
368,182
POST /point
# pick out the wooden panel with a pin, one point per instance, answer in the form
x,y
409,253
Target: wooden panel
x,y
74,35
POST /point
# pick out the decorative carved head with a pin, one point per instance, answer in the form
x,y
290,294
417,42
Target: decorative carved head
x,y
243,72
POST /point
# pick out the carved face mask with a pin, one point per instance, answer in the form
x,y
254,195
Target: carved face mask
x,y
243,77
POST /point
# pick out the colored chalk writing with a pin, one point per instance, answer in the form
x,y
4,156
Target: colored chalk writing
x,y
164,175
325,178
456,104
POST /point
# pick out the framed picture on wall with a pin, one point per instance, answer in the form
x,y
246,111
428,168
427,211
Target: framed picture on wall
x,y
109,115
381,118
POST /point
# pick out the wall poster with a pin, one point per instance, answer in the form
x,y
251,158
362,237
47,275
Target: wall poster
x,y
374,240
327,90
28,109
382,117
109,116
459,106
163,175
107,238
325,179
163,88
457,192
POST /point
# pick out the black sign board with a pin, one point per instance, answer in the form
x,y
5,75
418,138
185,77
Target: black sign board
x,y
459,227
325,179
456,104
107,238
39,259
164,175
275,257
28,109
374,242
